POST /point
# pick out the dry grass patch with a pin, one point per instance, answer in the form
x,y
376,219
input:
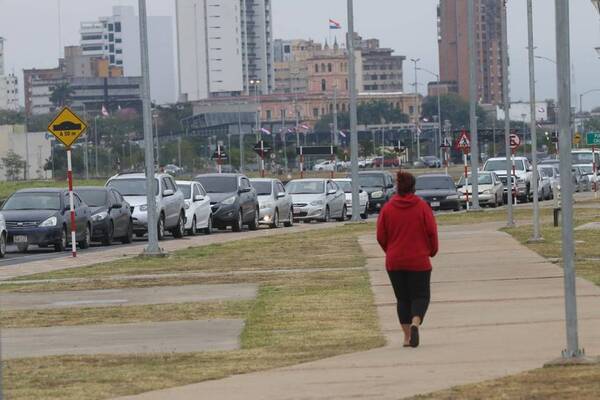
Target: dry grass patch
x,y
555,383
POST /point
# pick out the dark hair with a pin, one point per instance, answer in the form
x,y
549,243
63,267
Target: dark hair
x,y
405,183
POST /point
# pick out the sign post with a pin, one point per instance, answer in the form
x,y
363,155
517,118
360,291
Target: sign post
x,y
464,143
593,139
67,127
515,143
220,155
446,149
262,149
301,163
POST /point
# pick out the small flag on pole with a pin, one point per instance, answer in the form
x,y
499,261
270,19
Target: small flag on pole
x,y
104,111
342,134
306,127
334,24
265,131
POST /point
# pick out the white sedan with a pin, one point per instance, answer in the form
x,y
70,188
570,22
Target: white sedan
x,y
346,186
198,213
3,236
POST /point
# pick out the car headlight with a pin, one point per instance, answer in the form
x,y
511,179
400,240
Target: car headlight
x,y
229,201
316,203
186,204
452,197
144,207
52,221
100,216
377,195
266,205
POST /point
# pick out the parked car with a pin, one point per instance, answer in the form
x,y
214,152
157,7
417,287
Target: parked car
x,y
317,199
326,165
490,189
544,185
522,170
274,201
198,212
110,214
582,180
549,173
389,162
170,207
173,170
589,171
346,186
431,162
584,157
3,236
379,186
233,200
439,191
42,217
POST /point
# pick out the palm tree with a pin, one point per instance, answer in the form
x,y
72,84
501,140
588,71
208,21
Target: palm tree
x,y
61,94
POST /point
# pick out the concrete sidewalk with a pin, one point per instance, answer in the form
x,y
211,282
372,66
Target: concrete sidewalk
x,y
497,309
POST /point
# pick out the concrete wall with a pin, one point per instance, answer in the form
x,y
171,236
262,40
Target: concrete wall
x,y
12,137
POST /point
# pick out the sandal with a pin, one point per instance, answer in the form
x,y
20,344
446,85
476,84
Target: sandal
x,y
414,336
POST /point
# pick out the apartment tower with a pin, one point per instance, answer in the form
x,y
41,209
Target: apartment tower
x,y
454,48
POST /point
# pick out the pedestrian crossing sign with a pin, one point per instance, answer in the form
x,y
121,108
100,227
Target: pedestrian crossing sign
x,y
464,141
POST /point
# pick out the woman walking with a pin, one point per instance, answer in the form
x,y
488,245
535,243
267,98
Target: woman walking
x,y
407,233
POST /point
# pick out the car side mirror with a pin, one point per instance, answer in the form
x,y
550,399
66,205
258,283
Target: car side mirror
x,y
389,186
168,192
360,191
198,197
116,206
244,190
332,191
281,195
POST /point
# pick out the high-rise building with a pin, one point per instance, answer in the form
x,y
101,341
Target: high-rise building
x,y
1,56
9,93
382,70
117,38
224,45
454,48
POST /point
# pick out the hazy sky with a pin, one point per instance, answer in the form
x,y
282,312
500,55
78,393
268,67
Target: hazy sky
x,y
408,26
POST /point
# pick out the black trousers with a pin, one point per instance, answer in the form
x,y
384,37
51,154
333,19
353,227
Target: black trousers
x,y
412,290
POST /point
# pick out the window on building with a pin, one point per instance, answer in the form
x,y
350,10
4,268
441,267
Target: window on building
x,y
329,68
347,86
411,110
269,115
112,59
111,48
117,27
317,68
323,85
111,37
111,27
316,112
323,67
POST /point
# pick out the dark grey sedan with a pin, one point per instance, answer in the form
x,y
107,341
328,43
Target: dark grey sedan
x,y
439,191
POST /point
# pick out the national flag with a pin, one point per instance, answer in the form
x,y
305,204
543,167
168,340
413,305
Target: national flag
x,y
104,111
306,127
265,131
342,134
334,24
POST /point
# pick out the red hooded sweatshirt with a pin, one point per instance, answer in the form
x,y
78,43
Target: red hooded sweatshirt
x,y
407,232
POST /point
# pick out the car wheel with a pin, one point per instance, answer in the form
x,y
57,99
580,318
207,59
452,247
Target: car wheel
x,y
22,247
108,238
61,245
275,223
240,223
179,230
254,224
129,237
327,217
161,227
365,213
290,221
2,245
208,229
87,238
193,231
344,214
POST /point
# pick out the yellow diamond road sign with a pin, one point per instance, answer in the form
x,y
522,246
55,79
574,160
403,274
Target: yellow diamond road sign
x,y
577,138
67,127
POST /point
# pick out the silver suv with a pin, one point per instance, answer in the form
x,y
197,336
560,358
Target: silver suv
x,y
170,205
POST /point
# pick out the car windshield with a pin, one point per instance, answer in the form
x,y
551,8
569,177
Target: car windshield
x,y
546,172
586,169
219,184
434,183
132,187
371,180
262,188
583,158
346,186
500,165
93,197
482,179
310,187
32,201
186,190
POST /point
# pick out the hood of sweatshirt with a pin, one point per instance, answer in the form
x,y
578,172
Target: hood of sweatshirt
x,y
407,201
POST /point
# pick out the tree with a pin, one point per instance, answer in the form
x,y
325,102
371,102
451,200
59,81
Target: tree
x,y
8,117
453,108
374,112
61,94
13,165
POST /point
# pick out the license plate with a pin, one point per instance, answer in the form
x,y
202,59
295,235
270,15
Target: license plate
x,y
435,204
20,239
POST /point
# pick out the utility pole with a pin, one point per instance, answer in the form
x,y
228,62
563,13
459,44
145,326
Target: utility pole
x,y
152,249
473,94
505,90
96,146
353,113
532,107
563,71
241,138
417,131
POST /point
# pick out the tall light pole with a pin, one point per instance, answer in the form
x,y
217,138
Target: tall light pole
x,y
417,114
581,98
256,84
506,94
473,95
439,110
152,249
353,113
533,126
563,72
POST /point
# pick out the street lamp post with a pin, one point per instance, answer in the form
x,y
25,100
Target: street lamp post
x,y
506,94
353,113
473,95
581,98
256,84
439,111
417,133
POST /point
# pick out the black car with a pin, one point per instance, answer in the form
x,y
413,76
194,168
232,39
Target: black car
x,y
42,217
110,214
439,191
379,185
233,200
